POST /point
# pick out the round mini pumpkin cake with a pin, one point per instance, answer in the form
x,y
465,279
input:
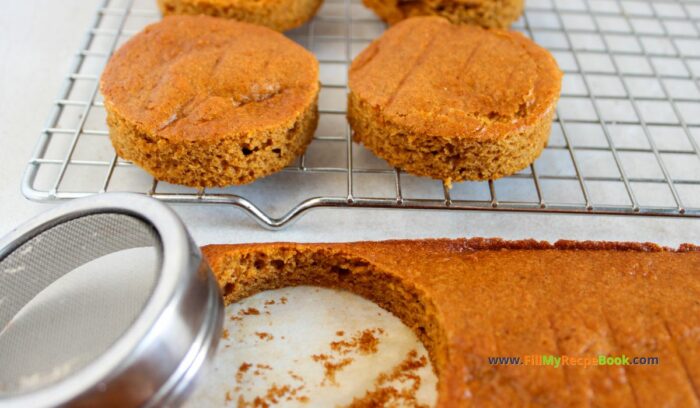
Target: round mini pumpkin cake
x,y
280,15
205,102
453,102
485,13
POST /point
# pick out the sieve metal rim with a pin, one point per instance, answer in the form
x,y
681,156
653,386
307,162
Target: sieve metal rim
x,y
183,314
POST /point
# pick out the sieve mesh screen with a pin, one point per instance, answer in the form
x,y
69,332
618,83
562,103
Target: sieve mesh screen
x,y
67,294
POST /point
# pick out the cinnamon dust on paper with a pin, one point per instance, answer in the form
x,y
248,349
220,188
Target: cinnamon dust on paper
x,y
259,369
251,311
363,342
331,366
264,336
273,395
385,394
242,369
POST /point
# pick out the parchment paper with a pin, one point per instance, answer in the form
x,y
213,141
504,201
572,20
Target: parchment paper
x,y
305,326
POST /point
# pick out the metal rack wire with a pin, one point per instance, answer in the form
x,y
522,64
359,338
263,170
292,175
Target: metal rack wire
x,y
626,138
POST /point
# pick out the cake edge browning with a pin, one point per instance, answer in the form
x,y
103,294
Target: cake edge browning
x,y
482,244
274,16
469,159
489,14
209,162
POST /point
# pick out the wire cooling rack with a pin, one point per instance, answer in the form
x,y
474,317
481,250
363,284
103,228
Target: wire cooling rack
x,y
625,139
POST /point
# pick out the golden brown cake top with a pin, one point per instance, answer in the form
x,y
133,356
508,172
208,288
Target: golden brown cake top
x,y
197,77
526,298
435,78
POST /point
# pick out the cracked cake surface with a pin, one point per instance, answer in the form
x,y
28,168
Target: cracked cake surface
x,y
203,101
471,299
453,102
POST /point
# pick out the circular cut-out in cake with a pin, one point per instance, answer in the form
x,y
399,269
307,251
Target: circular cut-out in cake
x,y
453,102
206,102
280,15
307,346
470,300
485,13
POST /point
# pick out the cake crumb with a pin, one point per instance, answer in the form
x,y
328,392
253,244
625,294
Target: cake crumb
x,y
295,376
264,336
224,334
319,357
242,369
283,300
249,311
260,367
340,333
228,396
269,302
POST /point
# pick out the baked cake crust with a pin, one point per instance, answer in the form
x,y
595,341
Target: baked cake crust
x,y
485,13
469,299
280,15
453,102
205,102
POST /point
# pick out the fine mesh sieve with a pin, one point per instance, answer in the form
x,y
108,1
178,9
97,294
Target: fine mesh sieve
x,y
104,301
